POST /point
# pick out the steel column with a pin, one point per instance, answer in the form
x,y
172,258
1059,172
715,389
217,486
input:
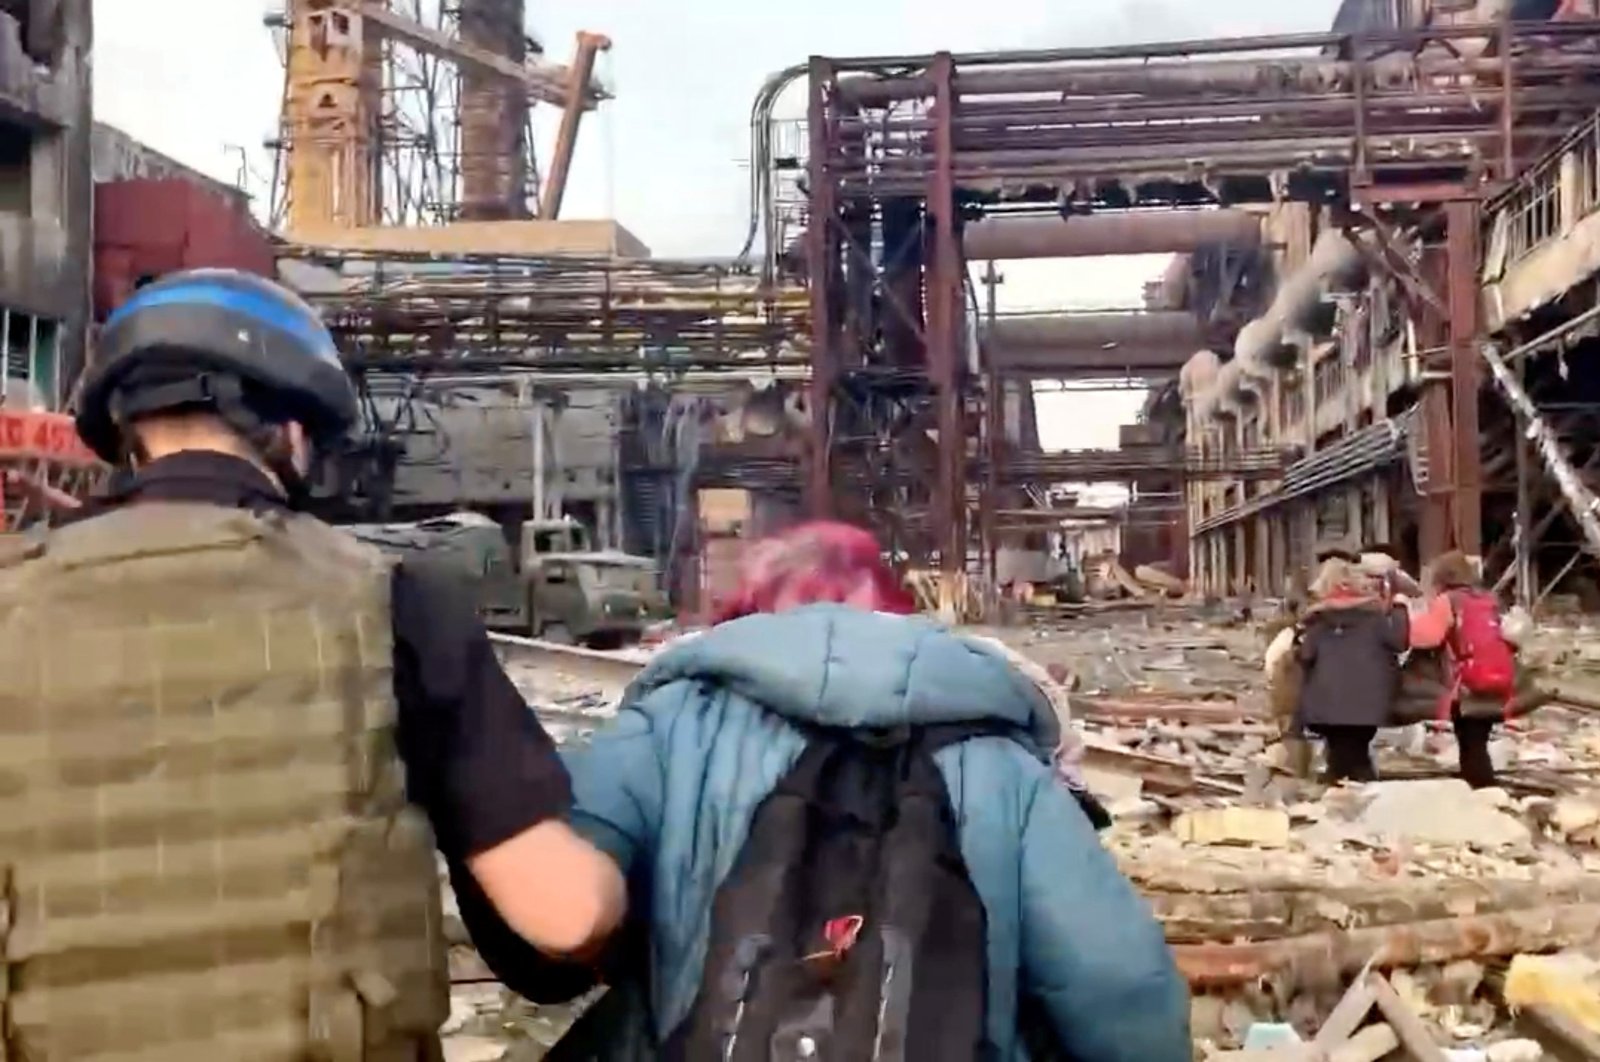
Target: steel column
x,y
944,333
993,438
821,260
1466,374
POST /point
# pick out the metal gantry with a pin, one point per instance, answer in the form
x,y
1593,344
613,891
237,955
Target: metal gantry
x,y
1405,130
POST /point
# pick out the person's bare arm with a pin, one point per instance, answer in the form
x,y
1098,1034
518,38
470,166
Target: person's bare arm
x,y
559,892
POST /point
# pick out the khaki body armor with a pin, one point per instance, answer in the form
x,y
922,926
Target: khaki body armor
x,y
205,849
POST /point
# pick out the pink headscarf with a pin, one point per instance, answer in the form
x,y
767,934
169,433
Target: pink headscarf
x,y
815,562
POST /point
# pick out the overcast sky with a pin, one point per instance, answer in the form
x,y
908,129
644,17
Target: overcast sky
x,y
200,80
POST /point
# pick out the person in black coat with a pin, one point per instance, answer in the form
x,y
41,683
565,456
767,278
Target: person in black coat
x,y
1350,645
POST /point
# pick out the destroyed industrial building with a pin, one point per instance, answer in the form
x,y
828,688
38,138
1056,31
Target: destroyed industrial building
x,y
1374,327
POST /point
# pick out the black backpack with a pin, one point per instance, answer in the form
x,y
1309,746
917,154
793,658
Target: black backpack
x,y
848,928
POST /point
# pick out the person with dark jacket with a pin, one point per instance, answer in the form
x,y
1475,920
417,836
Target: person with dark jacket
x,y
816,638
1349,649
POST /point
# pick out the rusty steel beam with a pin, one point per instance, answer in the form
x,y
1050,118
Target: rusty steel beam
x,y
590,45
1368,43
1144,232
820,267
1135,461
886,80
1466,373
545,82
945,334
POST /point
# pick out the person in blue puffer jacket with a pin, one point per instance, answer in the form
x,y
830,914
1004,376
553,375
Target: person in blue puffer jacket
x,y
669,789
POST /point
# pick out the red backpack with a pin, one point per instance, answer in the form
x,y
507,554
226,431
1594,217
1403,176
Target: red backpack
x,y
1482,658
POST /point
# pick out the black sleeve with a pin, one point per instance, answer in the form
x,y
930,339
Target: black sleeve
x,y
477,759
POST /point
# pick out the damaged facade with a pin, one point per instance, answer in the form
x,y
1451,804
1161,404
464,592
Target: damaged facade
x,y
46,124
1364,365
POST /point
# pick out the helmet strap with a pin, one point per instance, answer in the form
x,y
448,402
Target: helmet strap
x,y
223,394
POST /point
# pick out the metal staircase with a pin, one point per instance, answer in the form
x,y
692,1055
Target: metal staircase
x,y
1585,507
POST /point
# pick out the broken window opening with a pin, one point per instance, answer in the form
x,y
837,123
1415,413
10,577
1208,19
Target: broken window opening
x,y
16,169
39,28
30,354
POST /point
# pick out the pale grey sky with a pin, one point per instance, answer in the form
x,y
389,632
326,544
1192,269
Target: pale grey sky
x,y
199,79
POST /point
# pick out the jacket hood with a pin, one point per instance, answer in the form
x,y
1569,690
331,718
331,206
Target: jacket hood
x,y
830,665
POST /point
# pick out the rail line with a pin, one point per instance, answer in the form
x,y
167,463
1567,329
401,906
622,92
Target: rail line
x,y
610,669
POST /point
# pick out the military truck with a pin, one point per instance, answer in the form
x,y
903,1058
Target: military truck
x,y
556,587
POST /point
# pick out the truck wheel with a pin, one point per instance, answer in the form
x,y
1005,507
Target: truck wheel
x,y
558,634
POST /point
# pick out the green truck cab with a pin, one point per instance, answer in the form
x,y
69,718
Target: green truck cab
x,y
557,586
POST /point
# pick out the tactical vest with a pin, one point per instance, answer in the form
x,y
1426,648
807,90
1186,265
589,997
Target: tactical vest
x,y
205,847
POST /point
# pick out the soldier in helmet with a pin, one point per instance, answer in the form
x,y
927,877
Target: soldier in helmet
x,y
218,716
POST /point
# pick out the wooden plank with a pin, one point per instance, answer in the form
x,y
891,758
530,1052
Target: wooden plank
x,y
1347,1016
1411,1030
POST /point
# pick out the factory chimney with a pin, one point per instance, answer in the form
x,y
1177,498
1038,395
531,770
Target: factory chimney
x,y
495,181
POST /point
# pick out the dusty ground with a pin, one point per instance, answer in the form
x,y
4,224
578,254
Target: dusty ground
x,y
1232,851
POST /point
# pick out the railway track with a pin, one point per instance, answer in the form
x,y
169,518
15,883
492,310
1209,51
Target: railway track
x,y
609,670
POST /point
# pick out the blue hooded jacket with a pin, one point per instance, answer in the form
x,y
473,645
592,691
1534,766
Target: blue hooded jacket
x,y
670,787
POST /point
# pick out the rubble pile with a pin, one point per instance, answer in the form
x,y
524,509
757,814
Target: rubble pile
x,y
1415,903
1276,892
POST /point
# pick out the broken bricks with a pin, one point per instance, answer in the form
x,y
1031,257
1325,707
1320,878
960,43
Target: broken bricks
x,y
1259,827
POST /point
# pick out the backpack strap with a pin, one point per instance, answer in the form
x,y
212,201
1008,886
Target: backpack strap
x,y
943,735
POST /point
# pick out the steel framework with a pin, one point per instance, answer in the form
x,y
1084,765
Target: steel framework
x,y
417,112
409,327
487,315
902,151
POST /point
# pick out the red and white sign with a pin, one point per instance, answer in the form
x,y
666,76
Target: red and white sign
x,y
31,436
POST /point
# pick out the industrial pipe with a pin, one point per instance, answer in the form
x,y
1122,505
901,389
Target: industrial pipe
x,y
1139,232
1172,290
1098,330
1122,361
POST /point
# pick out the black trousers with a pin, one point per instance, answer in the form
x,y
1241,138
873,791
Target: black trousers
x,y
1472,739
1349,753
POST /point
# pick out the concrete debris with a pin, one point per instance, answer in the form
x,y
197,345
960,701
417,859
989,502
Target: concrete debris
x,y
1576,818
1439,812
1515,1051
1119,791
1263,827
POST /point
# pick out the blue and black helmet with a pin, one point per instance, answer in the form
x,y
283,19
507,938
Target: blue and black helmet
x,y
220,339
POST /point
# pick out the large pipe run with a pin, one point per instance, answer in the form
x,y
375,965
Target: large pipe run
x,y
1109,234
1086,362
1181,331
